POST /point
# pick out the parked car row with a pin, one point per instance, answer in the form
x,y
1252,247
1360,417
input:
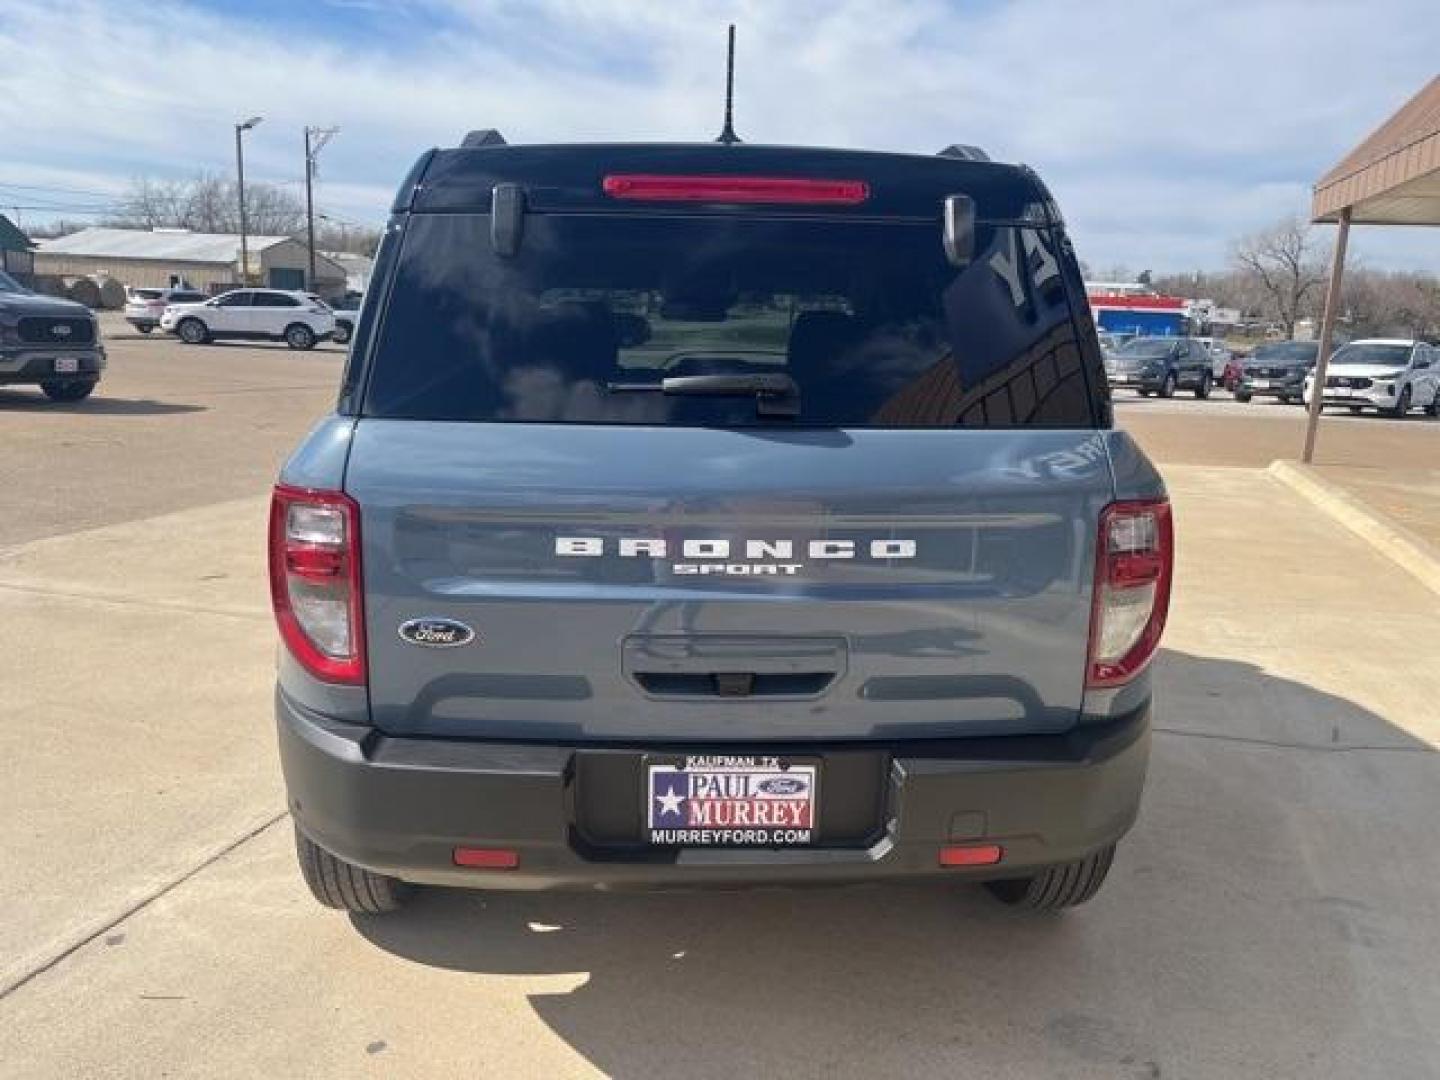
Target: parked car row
x,y
1391,375
300,319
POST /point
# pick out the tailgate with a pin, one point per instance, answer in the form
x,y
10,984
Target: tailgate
x,y
692,584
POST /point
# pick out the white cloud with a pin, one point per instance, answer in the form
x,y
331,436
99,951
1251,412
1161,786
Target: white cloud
x,y
1165,129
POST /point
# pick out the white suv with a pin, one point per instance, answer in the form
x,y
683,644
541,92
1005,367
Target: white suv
x,y
261,314
1393,375
143,307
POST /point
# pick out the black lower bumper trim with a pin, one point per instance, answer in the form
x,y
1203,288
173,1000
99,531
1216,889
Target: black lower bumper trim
x,y
400,807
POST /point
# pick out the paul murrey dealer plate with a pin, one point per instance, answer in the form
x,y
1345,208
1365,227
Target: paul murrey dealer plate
x,y
730,801
66,365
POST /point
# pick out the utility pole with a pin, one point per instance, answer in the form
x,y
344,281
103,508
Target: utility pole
x,y
240,130
315,140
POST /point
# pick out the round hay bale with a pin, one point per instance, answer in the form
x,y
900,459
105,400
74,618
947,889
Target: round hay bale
x,y
112,293
83,291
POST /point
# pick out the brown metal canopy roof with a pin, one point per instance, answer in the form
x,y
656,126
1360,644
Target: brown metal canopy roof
x,y
1393,177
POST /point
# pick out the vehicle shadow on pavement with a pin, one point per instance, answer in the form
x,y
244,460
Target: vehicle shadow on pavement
x,y
98,405
1252,926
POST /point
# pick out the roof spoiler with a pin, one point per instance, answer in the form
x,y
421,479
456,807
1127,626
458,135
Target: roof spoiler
x,y
964,152
481,137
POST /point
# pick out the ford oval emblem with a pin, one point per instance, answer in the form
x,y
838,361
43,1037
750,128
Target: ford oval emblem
x,y
435,633
782,785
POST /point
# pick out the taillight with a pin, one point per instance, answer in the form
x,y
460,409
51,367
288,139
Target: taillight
x,y
1134,560
315,581
736,189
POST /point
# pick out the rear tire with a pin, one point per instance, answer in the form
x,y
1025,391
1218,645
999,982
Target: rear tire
x,y
1203,390
1433,409
299,336
341,334
1145,393
1056,887
145,329
73,390
192,332
1242,397
1167,388
341,885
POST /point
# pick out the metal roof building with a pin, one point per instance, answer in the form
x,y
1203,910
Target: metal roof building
x,y
139,257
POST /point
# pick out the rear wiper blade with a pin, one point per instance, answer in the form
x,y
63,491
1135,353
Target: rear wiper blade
x,y
775,393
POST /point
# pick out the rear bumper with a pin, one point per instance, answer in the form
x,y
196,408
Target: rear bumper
x,y
400,807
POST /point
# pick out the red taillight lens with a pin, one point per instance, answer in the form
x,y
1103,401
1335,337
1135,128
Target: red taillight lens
x,y
315,581
736,189
1134,561
486,858
971,855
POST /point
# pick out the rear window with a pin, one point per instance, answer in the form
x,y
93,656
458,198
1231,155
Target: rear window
x,y
867,320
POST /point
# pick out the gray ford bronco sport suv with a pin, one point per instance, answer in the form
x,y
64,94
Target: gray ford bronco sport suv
x,y
48,342
717,514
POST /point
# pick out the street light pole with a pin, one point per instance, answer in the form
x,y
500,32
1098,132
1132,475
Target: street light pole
x,y
240,130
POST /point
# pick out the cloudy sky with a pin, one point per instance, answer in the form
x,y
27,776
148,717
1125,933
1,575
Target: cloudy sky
x,y
1165,129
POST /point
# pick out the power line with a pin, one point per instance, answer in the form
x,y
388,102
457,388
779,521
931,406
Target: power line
x,y
59,188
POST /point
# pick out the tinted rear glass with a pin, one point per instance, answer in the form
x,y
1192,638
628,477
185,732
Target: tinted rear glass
x,y
867,318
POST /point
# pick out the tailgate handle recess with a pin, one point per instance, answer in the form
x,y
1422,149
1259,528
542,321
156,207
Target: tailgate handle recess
x,y
704,665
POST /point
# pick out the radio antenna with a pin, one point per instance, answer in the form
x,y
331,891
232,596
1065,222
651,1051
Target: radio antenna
x,y
728,136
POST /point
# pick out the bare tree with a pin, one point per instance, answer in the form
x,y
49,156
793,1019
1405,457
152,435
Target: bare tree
x,y
208,203
151,204
271,209
1287,265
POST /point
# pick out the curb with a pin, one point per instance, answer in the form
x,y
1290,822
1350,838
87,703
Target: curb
x,y
1394,541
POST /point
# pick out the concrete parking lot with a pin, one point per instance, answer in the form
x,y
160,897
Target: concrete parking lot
x,y
1271,916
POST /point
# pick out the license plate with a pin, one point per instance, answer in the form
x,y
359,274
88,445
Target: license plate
x,y
67,365
727,801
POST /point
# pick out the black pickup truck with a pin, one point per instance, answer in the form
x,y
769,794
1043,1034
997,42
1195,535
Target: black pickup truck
x,y
50,342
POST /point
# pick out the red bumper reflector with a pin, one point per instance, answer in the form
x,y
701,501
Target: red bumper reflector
x,y
971,855
736,189
484,858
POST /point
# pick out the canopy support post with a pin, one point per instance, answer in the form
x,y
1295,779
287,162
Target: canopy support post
x,y
1327,334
